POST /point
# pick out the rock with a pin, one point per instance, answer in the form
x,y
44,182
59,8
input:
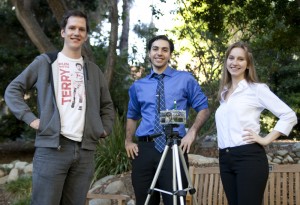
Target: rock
x,y
290,159
13,175
277,161
3,180
198,159
115,187
296,147
2,173
100,182
100,202
20,165
131,202
269,157
7,166
210,138
282,152
284,161
28,168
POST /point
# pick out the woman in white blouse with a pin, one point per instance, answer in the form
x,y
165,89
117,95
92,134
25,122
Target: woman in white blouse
x,y
243,162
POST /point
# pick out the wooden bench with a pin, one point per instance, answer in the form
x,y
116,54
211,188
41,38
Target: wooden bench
x,y
283,186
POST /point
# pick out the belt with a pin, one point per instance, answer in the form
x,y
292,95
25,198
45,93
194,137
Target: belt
x,y
242,148
65,139
145,139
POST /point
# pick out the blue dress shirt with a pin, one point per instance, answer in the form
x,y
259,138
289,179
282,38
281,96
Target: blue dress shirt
x,y
179,85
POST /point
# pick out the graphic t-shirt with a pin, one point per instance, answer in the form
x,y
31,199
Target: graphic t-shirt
x,y
70,95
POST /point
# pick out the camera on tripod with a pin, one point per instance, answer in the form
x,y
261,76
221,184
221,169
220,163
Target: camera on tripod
x,y
176,117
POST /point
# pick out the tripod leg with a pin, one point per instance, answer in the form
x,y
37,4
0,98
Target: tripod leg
x,y
190,185
178,172
157,173
174,178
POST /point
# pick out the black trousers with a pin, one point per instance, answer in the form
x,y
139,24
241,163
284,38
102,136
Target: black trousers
x,y
244,174
144,168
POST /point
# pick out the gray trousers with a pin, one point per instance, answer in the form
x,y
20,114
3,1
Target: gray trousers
x,y
62,177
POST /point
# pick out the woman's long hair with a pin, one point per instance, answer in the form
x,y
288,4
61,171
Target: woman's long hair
x,y
250,73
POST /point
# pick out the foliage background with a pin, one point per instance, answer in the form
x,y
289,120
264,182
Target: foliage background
x,y
202,31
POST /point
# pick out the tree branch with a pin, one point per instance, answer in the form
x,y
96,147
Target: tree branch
x,y
31,26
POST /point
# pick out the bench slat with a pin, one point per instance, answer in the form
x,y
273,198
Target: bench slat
x,y
215,189
290,189
297,187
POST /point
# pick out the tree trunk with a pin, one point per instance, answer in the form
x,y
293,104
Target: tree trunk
x,y
58,7
111,57
31,26
125,28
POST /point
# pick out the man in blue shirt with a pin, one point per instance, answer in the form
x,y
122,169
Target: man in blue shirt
x,y
180,86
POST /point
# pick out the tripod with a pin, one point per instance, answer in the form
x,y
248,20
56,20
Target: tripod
x,y
173,141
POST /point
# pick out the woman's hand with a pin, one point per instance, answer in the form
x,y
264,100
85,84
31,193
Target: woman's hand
x,y
251,137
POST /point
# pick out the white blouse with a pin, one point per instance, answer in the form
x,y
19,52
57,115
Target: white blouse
x,y
242,110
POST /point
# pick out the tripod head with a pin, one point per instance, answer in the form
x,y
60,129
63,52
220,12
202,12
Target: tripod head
x,y
170,133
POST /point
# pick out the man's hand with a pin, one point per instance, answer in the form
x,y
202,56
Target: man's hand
x,y
104,134
188,139
132,149
35,124
186,142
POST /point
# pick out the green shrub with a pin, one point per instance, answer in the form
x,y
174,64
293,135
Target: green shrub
x,y
23,201
111,157
20,190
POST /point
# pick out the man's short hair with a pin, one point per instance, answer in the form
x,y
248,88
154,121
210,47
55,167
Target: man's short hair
x,y
161,37
76,13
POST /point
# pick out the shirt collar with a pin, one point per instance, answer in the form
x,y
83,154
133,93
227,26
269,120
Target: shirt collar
x,y
241,86
167,72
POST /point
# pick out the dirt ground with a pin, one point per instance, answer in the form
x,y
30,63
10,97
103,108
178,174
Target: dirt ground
x,y
12,150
